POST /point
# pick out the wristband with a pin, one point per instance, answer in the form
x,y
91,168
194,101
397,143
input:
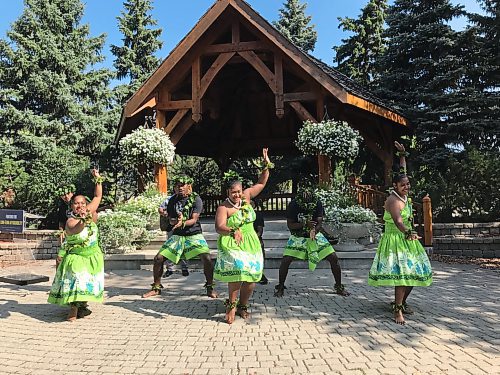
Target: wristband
x,y
98,180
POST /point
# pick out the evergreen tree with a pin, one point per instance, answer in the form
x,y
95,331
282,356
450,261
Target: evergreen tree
x,y
294,24
357,55
53,101
477,109
135,59
421,69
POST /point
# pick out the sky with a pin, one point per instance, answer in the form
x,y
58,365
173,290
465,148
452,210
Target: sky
x,y
177,17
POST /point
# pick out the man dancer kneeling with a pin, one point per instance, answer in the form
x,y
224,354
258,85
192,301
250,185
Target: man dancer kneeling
x,y
304,218
187,240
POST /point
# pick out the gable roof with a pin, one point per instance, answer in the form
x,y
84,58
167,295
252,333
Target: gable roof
x,y
344,89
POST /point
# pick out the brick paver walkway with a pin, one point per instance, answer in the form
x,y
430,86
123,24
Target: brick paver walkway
x,y
311,331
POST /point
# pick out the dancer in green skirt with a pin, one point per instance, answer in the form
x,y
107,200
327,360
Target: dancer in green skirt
x,y
304,219
187,240
239,258
400,261
80,265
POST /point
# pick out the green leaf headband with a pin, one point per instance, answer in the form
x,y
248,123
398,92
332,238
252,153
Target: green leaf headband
x,y
231,176
65,189
185,180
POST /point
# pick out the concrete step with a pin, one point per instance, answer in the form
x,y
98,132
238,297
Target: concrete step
x,y
137,260
273,224
212,243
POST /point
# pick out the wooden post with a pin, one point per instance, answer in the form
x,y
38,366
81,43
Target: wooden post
x,y
427,208
161,170
161,174
325,169
196,89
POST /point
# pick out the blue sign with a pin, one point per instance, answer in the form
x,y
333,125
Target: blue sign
x,y
12,221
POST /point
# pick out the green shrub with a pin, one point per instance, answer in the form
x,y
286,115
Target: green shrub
x,y
143,206
122,231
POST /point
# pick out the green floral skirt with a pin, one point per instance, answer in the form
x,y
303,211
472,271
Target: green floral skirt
x,y
79,277
243,262
400,262
187,247
304,248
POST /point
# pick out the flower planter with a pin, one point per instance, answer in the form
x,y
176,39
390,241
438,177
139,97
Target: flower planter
x,y
352,236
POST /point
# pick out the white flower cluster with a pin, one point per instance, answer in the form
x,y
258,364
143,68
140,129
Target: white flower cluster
x,y
147,146
341,207
335,139
145,206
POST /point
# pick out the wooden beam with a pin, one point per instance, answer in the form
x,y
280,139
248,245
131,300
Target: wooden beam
x,y
181,129
151,103
175,105
278,74
196,89
235,32
212,72
176,55
289,49
235,47
175,120
303,113
300,96
320,107
260,67
373,108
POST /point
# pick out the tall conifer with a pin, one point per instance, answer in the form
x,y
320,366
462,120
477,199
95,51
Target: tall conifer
x,y
295,25
357,56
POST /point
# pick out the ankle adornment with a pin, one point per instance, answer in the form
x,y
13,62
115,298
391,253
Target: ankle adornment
x,y
157,287
398,307
209,286
242,306
339,288
230,305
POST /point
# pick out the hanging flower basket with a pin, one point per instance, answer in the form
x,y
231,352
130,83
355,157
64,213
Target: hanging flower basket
x,y
335,139
144,146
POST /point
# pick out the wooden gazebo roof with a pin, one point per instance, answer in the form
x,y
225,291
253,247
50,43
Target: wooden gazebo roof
x,y
235,84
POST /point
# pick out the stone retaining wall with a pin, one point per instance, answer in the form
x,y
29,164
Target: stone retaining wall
x,y
16,248
481,240
466,229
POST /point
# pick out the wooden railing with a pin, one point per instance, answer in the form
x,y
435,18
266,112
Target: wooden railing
x,y
367,196
274,203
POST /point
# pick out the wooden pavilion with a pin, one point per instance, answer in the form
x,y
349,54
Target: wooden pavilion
x,y
235,84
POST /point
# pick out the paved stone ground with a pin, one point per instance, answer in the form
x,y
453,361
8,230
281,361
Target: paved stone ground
x,y
311,331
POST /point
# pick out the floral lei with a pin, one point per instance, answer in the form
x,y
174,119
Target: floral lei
x,y
307,207
187,207
245,209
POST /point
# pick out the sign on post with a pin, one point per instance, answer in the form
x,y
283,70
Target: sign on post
x,y
12,221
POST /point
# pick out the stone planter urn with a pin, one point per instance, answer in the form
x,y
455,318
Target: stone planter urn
x,y
352,236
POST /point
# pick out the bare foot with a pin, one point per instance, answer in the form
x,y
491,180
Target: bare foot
x,y
399,318
279,290
73,313
243,312
155,291
340,290
407,309
211,292
230,311
83,312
